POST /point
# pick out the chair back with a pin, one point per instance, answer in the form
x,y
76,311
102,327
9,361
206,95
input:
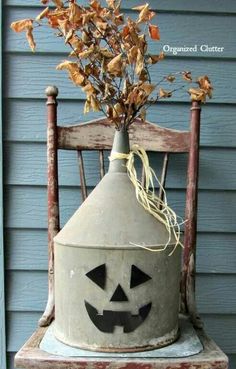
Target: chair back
x,y
98,135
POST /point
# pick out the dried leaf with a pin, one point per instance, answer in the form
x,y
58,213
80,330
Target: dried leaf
x,y
73,54
64,65
118,110
69,36
75,72
106,14
205,84
95,5
91,69
59,18
139,63
59,3
119,19
89,89
132,97
95,104
187,76
102,26
115,65
63,24
153,59
85,37
164,94
170,78
143,76
106,53
141,98
197,94
116,46
154,32
109,111
148,88
111,3
132,54
139,7
126,87
43,14
86,17
75,13
109,91
115,5
125,31
22,25
145,13
143,114
142,43
87,106
87,52
30,38
77,43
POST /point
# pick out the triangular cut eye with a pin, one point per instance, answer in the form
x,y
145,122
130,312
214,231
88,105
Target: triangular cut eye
x,y
98,275
119,294
138,277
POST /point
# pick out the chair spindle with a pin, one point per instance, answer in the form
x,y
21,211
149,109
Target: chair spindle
x,y
101,161
143,177
163,176
82,175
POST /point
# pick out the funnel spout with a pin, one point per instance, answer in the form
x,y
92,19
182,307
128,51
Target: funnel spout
x,y
120,145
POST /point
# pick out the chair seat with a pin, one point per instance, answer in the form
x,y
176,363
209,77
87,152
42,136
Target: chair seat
x,y
30,356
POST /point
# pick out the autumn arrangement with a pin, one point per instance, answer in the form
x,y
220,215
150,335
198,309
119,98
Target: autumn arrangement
x,y
111,62
109,57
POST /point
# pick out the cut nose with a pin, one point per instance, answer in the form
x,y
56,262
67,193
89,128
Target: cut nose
x,y
119,295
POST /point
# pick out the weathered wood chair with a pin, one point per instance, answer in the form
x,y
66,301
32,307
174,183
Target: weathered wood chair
x,y
98,135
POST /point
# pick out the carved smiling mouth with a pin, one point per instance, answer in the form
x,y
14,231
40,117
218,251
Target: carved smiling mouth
x,y
107,321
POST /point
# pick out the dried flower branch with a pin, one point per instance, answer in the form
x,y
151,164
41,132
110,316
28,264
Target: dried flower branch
x,y
112,61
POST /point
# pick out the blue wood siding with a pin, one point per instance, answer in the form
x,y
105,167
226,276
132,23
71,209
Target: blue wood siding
x,y
2,292
26,75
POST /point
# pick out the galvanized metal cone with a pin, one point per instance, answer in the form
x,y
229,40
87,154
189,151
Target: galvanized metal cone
x,y
111,215
109,294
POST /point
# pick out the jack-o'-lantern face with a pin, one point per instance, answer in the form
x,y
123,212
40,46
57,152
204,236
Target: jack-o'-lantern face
x,y
107,321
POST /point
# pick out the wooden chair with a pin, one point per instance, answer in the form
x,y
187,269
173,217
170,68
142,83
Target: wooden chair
x,y
98,135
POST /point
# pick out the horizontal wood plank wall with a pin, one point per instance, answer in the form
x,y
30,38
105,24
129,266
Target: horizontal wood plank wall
x,y
26,75
2,291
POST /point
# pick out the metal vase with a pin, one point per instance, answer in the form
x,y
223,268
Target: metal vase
x,y
111,295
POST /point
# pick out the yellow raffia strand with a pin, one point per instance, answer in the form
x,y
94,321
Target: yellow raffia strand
x,y
148,199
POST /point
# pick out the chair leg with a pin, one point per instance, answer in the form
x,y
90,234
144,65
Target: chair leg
x,y
48,314
190,295
53,229
53,198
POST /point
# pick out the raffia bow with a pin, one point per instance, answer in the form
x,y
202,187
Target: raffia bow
x,y
146,196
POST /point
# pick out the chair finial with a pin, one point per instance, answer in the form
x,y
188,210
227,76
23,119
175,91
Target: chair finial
x,y
51,91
